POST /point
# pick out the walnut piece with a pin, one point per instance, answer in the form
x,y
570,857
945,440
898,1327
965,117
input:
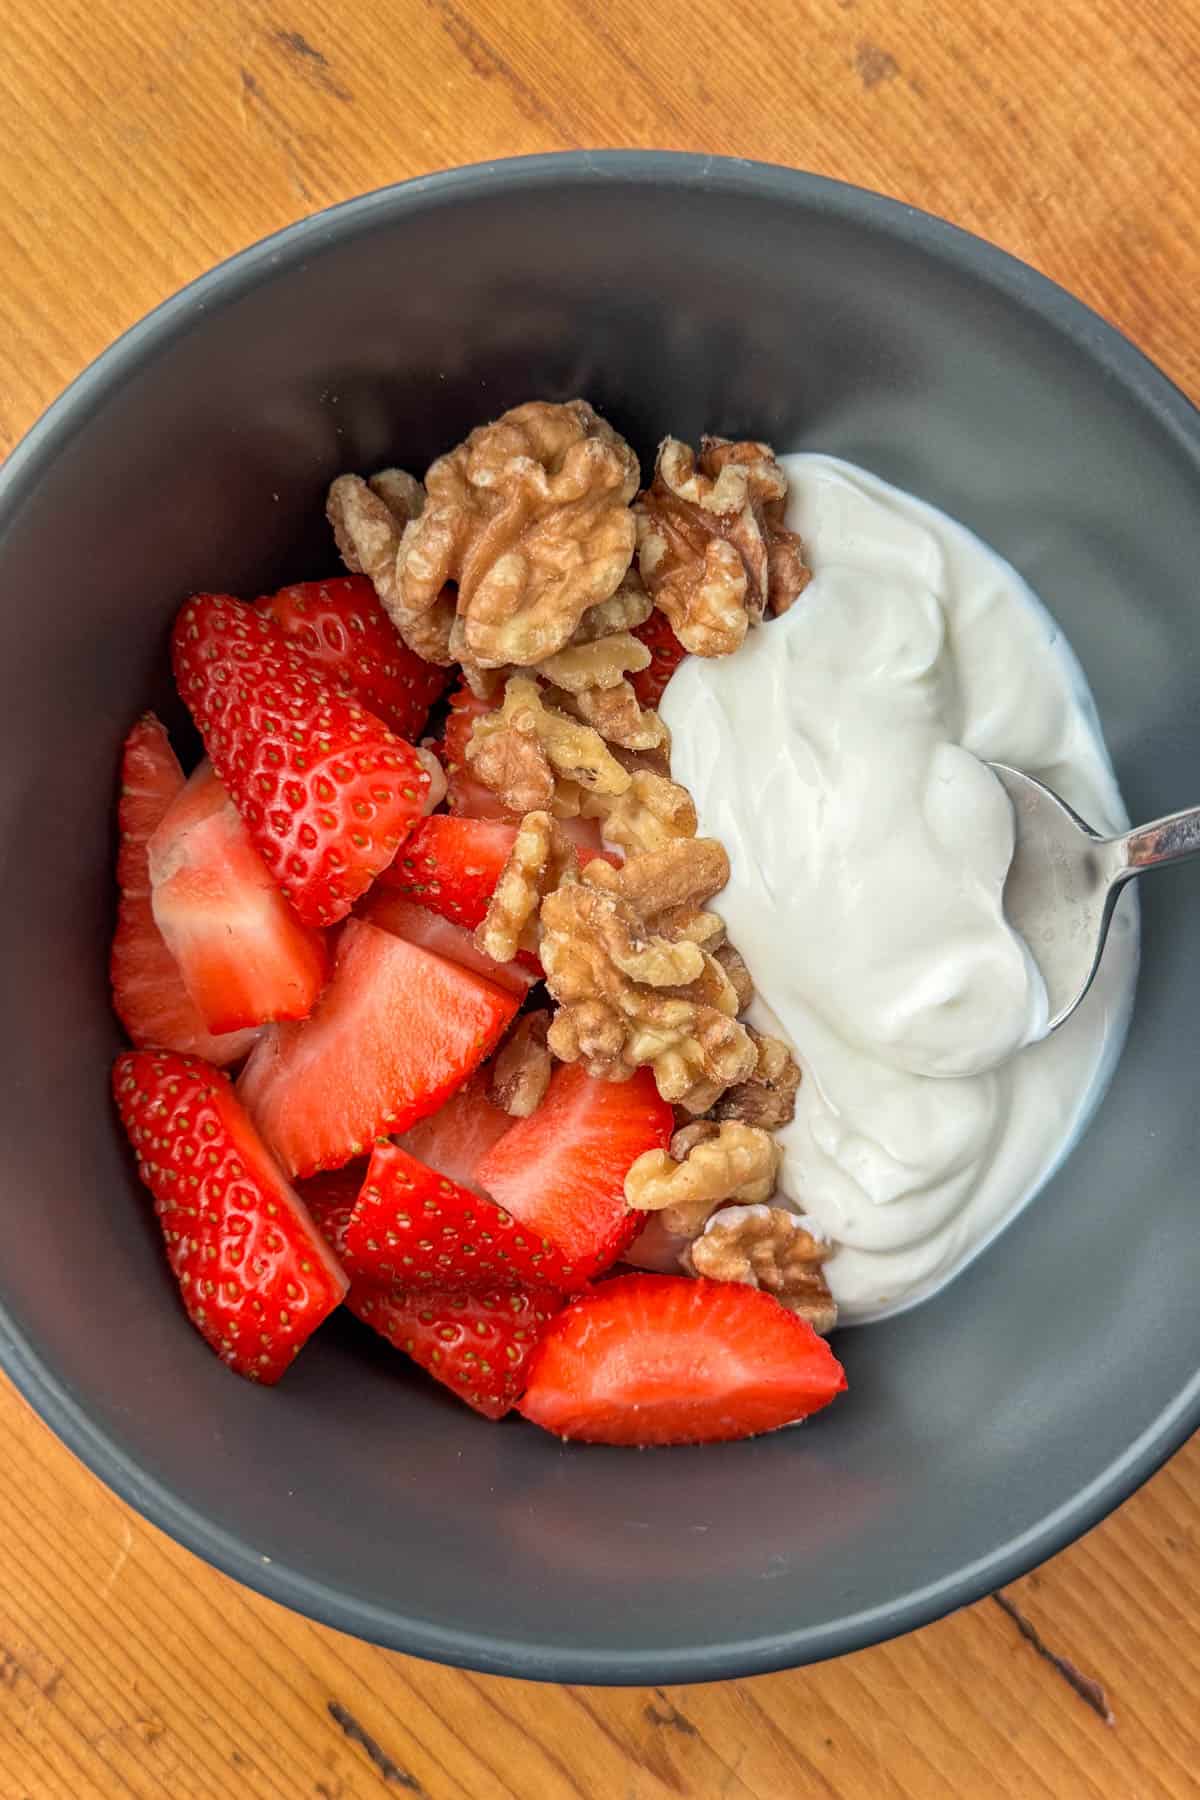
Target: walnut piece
x,y
630,606
541,858
682,874
629,998
734,965
368,520
601,662
739,1163
513,764
769,1248
617,714
530,519
768,1096
648,814
568,748
521,1070
713,550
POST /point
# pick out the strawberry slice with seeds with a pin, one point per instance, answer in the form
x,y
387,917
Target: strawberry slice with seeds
x,y
244,956
413,1226
453,1140
327,792
256,1276
148,992
330,1200
344,634
452,865
392,1036
479,1345
661,1359
405,918
561,1172
666,654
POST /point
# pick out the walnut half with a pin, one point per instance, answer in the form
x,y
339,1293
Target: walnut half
x,y
769,1248
713,550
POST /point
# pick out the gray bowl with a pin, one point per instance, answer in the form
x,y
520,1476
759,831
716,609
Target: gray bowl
x,y
984,1430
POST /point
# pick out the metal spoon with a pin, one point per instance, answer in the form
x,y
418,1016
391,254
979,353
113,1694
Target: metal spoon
x,y
1065,878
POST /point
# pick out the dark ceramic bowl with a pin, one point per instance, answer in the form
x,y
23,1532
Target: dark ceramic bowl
x,y
984,1430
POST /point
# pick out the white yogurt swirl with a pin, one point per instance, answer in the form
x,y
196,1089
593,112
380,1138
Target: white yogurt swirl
x,y
840,758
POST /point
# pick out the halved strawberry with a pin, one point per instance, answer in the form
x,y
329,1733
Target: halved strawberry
x,y
343,631
478,1344
666,654
330,1200
662,1359
256,1276
392,1036
465,708
148,992
395,912
452,865
561,1172
244,956
455,1138
419,1228
327,792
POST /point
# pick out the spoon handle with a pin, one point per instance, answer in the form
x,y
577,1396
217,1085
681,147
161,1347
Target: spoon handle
x,y
1163,841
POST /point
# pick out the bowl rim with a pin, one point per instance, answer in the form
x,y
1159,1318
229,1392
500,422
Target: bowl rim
x,y
228,281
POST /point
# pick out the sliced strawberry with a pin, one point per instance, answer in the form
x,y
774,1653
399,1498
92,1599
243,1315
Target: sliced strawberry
x,y
465,708
396,913
344,633
661,1359
455,1138
392,1036
327,792
256,1276
478,1344
666,653
330,1200
561,1172
452,865
416,1227
148,992
244,956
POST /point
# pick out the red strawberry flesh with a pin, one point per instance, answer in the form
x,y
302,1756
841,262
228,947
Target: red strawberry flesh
x,y
479,1345
666,654
405,918
256,1276
661,1359
149,996
454,1139
327,792
416,1227
343,632
244,956
394,1034
561,1171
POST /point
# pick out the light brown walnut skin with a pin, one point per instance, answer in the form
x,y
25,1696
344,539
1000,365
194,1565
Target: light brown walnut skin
x,y
540,860
368,521
530,519
573,751
766,1247
738,1163
768,1097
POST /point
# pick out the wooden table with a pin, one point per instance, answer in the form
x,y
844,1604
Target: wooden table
x,y
139,144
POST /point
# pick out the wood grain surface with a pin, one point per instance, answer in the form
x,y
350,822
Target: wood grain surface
x,y
140,143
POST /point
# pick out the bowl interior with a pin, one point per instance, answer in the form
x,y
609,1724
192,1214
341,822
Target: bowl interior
x,y
677,294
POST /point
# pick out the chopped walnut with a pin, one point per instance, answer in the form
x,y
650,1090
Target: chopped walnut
x,y
686,1137
368,520
530,519
601,662
617,714
629,607
682,874
540,859
768,1096
734,965
738,1163
769,1248
521,1070
712,547
513,764
567,747
629,998
650,813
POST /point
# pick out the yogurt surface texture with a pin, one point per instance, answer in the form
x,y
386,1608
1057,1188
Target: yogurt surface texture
x,y
840,756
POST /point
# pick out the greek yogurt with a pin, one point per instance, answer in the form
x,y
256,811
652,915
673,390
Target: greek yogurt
x,y
840,756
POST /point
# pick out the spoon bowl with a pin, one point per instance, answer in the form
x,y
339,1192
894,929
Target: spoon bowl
x,y
1065,879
